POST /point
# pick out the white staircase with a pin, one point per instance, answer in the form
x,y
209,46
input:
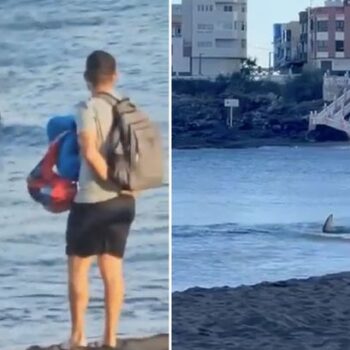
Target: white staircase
x,y
334,114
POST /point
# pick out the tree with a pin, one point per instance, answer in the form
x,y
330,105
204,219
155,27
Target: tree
x,y
248,67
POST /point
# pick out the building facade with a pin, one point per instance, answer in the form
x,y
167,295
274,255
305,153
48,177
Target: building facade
x,y
214,36
286,44
180,62
325,36
176,20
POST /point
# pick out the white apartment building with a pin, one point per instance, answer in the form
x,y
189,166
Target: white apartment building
x,y
214,37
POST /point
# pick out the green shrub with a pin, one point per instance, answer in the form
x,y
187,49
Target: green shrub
x,y
306,87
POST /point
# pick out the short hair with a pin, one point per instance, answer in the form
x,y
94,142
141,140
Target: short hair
x,y
100,66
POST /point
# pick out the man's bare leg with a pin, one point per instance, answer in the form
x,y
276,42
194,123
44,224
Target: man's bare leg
x,y
78,287
111,269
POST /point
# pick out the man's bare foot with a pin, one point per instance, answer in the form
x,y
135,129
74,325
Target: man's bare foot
x,y
110,342
77,341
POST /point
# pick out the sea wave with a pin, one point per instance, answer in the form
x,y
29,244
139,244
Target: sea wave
x,y
27,135
306,230
35,135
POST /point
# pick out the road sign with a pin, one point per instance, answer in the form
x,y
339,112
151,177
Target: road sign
x,y
231,102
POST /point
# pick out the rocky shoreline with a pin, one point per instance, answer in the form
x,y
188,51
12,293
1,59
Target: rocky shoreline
x,y
304,314
269,114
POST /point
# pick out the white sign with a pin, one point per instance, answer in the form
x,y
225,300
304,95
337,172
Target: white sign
x,y
231,102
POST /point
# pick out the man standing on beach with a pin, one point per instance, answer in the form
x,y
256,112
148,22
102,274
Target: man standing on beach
x,y
100,218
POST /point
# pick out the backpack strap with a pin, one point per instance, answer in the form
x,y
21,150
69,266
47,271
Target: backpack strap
x,y
124,104
109,98
113,101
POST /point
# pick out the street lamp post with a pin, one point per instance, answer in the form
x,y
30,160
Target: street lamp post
x,y
309,40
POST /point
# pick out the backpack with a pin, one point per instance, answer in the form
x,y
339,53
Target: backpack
x,y
46,187
134,147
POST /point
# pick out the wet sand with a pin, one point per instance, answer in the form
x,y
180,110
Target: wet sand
x,y
158,342
289,315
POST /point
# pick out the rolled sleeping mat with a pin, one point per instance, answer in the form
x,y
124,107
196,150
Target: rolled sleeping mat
x,y
59,124
68,162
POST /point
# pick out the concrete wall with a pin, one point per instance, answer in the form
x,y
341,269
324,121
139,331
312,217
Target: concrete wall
x,y
333,86
337,65
212,67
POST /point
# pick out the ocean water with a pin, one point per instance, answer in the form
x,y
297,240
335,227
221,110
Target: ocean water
x,y
253,215
43,49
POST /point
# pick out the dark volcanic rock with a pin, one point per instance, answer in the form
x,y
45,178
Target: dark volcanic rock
x,y
268,115
324,133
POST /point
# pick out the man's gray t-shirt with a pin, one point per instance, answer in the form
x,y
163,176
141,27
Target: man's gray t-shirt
x,y
91,189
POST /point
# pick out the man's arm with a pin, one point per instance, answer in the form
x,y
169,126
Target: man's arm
x,y
88,149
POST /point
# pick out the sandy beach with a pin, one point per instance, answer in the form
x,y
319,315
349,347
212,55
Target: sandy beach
x,y
158,342
289,315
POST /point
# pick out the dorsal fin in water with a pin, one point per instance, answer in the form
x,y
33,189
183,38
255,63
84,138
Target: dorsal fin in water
x,y
328,225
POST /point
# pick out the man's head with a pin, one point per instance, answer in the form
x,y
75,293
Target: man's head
x,y
101,70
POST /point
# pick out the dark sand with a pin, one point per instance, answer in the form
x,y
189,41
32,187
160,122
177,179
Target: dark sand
x,y
158,342
290,315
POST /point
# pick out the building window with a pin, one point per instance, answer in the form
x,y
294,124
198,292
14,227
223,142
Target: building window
x,y
244,43
288,35
339,26
228,8
204,44
205,27
211,8
288,54
243,9
322,26
322,45
225,25
225,43
243,26
339,45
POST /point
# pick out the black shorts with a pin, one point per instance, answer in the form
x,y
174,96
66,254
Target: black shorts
x,y
100,228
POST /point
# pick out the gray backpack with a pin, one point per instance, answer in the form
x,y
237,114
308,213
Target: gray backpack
x,y
134,147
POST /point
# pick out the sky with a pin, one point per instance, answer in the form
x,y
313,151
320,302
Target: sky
x,y
262,14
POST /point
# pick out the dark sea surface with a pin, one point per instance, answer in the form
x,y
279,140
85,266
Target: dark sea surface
x,y
43,48
253,215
